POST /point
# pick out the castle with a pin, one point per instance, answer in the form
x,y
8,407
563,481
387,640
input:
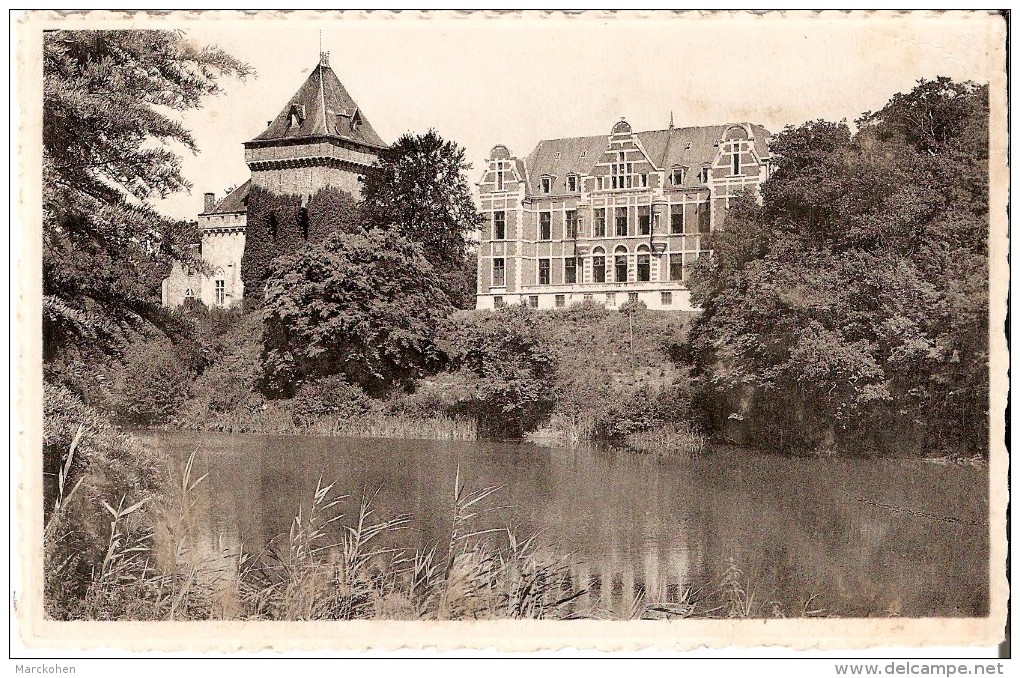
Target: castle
x,y
612,218
320,138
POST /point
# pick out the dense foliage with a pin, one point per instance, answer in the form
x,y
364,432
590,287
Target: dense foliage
x,y
510,369
419,189
279,225
365,305
850,308
109,104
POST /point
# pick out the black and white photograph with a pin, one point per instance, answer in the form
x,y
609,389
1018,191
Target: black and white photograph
x,y
606,324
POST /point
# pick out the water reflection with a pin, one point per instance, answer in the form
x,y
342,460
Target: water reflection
x,y
805,532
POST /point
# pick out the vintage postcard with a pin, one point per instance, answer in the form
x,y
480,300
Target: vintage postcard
x,y
521,330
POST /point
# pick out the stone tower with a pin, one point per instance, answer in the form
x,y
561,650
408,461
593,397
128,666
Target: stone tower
x,y
320,138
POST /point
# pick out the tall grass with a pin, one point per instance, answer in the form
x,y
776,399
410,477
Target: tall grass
x,y
669,439
274,418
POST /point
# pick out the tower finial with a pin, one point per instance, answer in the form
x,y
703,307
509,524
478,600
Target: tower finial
x,y
671,119
324,59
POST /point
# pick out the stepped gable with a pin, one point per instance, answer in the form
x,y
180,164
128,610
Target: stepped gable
x,y
321,108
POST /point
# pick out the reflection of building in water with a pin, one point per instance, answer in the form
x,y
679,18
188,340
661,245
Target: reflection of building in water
x,y
229,506
617,579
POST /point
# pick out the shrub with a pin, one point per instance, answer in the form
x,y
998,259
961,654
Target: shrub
x,y
152,382
331,396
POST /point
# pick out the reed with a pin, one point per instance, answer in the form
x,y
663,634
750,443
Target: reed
x,y
681,440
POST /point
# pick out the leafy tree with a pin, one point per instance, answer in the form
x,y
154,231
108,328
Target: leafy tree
x,y
362,305
420,189
109,104
510,367
850,308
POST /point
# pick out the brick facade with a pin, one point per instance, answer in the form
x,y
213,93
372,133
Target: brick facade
x,y
610,218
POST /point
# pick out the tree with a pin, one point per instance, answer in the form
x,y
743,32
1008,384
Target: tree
x,y
510,368
851,307
419,189
109,99
362,305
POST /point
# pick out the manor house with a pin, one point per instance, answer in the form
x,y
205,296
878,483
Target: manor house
x,y
320,138
611,218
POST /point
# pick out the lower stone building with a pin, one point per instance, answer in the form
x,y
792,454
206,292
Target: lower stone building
x,y
222,227
613,218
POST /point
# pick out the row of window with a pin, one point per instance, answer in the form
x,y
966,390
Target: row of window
x,y
621,176
621,222
665,298
620,268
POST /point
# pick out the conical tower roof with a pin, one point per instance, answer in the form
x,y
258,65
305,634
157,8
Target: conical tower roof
x,y
321,108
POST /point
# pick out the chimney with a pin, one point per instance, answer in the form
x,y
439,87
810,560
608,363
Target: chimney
x,y
209,203
324,59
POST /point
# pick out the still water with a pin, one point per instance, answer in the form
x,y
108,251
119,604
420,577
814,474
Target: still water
x,y
863,537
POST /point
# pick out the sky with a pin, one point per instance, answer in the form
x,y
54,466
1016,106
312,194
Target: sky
x,y
518,79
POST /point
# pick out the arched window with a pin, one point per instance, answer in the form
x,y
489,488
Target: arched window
x,y
598,265
621,263
644,265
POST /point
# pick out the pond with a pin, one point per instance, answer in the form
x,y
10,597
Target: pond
x,y
852,537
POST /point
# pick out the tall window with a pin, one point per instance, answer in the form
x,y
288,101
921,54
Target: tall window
x,y
621,221
572,183
570,270
703,176
644,220
734,149
571,224
644,265
598,265
704,218
543,271
499,272
600,222
676,219
676,266
501,170
622,172
221,292
621,264
677,176
499,225
546,184
545,225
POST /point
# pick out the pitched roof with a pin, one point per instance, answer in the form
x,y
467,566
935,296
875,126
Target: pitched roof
x,y
688,146
323,108
234,201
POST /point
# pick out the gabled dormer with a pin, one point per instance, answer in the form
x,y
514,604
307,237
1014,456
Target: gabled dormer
x,y
624,164
503,173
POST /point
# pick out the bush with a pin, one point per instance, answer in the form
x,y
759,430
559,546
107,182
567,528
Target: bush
x,y
330,396
507,366
152,383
